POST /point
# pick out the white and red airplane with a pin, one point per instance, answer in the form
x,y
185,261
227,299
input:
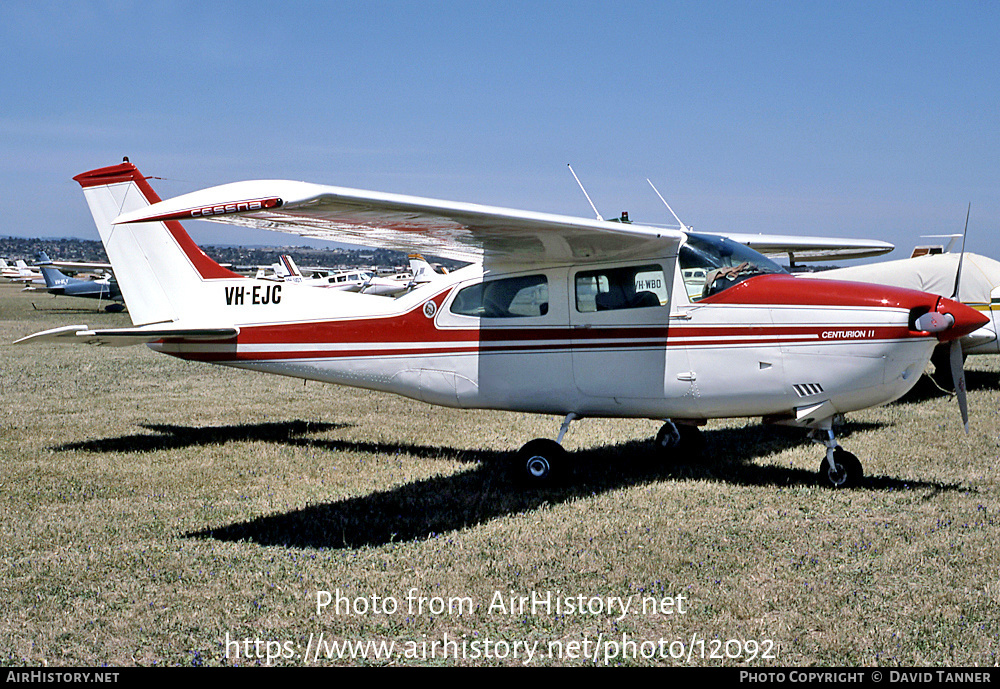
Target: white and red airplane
x,y
354,280
555,315
20,272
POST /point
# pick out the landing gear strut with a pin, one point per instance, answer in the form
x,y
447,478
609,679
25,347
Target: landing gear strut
x,y
840,468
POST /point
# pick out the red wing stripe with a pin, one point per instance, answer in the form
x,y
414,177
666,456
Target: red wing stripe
x,y
218,209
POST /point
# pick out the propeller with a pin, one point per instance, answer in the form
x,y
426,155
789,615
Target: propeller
x,y
958,377
955,348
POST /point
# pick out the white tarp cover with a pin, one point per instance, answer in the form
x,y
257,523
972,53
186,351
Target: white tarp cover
x,y
932,273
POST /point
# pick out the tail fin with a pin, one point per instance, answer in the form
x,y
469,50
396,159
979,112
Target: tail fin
x,y
287,269
54,278
43,258
421,270
157,265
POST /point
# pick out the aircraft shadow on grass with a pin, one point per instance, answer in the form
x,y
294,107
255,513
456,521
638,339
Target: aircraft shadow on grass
x,y
442,504
421,509
169,437
72,309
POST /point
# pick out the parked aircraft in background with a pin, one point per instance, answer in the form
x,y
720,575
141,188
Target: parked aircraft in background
x,y
56,282
546,319
355,280
421,271
20,272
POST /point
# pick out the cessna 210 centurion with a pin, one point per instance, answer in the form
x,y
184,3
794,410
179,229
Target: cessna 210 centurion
x,y
554,315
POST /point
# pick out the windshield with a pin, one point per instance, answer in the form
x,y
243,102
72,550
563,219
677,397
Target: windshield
x,y
710,264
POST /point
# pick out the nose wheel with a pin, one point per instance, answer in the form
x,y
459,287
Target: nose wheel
x,y
840,468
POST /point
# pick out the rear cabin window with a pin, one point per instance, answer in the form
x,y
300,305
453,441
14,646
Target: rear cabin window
x,y
611,289
517,297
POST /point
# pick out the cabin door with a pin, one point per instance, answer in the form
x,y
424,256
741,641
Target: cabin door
x,y
619,315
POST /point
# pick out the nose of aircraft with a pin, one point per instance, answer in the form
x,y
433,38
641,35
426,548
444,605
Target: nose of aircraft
x,y
966,319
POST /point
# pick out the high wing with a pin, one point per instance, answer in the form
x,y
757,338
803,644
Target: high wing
x,y
800,249
460,231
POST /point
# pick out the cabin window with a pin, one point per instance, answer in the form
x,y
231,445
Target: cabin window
x,y
610,289
517,297
711,264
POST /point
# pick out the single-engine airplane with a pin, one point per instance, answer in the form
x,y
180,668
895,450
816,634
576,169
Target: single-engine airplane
x,y
555,314
58,283
23,274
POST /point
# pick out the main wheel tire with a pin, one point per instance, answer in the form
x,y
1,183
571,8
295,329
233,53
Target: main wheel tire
x,y
668,438
846,473
540,460
679,440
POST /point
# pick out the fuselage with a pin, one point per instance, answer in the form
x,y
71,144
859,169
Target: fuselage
x,y
625,339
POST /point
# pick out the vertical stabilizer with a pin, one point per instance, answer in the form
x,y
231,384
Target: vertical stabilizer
x,y
53,276
421,270
157,265
287,269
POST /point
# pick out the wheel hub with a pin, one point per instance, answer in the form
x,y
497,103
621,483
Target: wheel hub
x,y
538,466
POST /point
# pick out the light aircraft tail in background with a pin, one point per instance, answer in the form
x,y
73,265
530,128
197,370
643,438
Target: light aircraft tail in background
x,y
421,271
58,283
22,273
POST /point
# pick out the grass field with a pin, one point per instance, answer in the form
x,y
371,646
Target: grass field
x,y
158,512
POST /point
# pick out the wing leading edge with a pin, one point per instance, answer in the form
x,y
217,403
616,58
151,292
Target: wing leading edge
x,y
800,249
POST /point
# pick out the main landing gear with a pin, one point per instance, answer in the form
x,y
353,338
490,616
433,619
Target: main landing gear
x,y
840,468
541,459
679,440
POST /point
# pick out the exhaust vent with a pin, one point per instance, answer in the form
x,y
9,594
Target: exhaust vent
x,y
807,389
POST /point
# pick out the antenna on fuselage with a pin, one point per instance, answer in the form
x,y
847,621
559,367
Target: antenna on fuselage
x,y
684,227
584,192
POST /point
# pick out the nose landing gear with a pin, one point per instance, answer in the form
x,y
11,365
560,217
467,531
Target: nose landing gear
x,y
840,468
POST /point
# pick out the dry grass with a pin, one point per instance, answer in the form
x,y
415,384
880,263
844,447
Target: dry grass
x,y
152,506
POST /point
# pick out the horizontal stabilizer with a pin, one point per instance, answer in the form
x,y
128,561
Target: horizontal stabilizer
x,y
122,337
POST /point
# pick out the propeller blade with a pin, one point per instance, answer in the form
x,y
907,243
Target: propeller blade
x,y
958,376
961,256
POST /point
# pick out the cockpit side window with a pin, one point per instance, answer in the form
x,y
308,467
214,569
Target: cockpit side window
x,y
610,289
710,265
516,297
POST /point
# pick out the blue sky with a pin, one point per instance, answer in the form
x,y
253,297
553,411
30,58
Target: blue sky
x,y
861,119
